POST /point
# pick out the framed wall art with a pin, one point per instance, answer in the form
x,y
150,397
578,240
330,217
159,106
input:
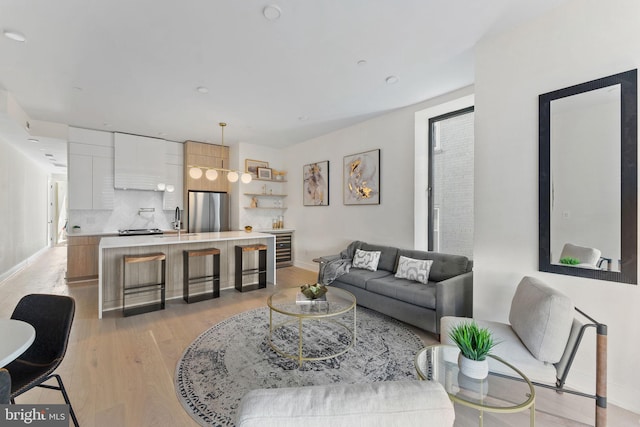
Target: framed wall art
x,y
315,184
251,166
264,173
361,178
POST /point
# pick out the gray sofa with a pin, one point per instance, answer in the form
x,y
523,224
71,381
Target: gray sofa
x,y
449,291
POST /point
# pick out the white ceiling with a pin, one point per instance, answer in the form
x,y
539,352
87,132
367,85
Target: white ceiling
x,y
134,66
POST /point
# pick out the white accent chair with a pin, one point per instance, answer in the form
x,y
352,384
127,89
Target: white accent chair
x,y
542,339
589,257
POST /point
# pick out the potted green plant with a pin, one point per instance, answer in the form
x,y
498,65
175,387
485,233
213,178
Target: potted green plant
x,y
475,344
569,261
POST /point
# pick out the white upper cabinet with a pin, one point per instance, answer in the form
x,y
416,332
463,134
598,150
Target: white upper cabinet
x,y
90,173
139,162
174,175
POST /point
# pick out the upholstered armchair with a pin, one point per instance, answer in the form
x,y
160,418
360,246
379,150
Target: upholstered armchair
x,y
542,339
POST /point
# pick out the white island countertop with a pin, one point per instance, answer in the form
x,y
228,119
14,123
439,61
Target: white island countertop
x,y
174,239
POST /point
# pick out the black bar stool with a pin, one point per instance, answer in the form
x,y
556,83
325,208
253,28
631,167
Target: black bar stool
x,y
140,288
261,270
214,278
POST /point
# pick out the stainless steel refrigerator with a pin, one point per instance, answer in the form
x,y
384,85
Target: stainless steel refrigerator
x,y
208,211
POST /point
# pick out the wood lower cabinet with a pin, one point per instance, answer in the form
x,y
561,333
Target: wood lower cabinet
x,y
82,258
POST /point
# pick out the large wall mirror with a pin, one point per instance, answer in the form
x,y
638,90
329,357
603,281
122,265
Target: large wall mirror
x,y
588,158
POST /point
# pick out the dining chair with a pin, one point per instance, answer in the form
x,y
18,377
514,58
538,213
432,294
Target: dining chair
x,y
51,316
5,387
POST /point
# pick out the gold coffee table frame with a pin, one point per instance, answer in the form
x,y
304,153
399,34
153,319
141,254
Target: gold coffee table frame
x,y
338,302
439,351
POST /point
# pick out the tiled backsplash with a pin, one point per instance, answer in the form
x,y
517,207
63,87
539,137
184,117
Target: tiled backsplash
x,y
125,213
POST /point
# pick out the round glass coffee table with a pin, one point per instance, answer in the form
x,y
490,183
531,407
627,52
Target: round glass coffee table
x,y
287,313
505,390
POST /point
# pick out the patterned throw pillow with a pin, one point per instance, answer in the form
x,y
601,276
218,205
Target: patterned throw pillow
x,y
367,260
414,269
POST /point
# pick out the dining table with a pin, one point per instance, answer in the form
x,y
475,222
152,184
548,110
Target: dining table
x,y
15,337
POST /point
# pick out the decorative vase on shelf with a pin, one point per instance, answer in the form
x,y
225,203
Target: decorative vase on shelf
x,y
478,369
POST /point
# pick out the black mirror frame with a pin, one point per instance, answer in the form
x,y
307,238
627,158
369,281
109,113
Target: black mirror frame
x,y
628,175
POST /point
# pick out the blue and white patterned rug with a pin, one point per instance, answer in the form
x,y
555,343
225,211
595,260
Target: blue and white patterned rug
x,y
234,357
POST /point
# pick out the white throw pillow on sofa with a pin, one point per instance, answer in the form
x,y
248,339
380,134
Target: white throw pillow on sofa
x,y
414,269
367,260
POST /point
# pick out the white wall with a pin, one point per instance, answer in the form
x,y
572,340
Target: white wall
x,y
325,230
575,43
23,209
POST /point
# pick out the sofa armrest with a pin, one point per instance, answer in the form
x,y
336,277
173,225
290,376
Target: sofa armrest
x,y
322,261
454,297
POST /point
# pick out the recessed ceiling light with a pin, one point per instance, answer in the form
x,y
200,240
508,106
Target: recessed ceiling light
x,y
271,12
48,155
361,63
15,36
35,141
202,89
392,80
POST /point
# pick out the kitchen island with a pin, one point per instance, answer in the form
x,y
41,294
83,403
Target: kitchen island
x,y
112,250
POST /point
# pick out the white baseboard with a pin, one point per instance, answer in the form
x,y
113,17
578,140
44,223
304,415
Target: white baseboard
x,y
311,266
16,268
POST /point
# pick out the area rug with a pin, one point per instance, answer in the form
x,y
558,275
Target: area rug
x,y
234,357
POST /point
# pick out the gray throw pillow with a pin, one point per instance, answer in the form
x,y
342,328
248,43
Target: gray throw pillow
x,y
367,260
414,269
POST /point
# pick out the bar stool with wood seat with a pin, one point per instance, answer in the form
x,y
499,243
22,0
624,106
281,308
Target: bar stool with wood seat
x,y
214,277
261,270
140,288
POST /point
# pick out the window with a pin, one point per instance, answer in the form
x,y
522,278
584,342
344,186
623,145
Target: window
x,y
450,190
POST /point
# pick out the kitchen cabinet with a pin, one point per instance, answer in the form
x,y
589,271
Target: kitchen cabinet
x,y
174,175
206,155
90,172
82,258
139,162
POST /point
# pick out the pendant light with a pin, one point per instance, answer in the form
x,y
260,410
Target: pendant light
x,y
211,174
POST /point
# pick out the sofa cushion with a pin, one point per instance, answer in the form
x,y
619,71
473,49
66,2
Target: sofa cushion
x,y
445,266
413,269
405,290
388,257
359,277
542,318
366,259
385,403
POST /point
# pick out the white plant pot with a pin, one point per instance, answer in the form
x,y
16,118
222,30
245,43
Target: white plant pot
x,y
478,369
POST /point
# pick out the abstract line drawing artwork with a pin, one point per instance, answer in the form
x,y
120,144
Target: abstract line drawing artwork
x,y
361,178
315,184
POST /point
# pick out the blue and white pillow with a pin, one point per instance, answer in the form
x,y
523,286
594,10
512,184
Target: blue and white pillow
x,y
414,269
367,260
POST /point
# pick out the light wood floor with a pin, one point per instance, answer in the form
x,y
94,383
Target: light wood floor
x,y
119,371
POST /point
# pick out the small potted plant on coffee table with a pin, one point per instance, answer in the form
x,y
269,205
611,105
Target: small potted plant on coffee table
x,y
475,344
